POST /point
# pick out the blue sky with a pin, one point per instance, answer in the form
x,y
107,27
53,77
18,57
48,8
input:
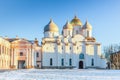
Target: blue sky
x,y
27,18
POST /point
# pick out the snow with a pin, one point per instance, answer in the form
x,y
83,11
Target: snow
x,y
60,74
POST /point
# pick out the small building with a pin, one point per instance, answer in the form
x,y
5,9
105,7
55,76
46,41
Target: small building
x,y
115,60
19,53
4,54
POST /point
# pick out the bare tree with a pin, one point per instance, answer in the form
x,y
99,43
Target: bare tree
x,y
108,50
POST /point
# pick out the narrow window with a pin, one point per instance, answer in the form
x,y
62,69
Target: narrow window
x,y
21,53
62,62
37,54
51,62
52,34
38,65
77,48
62,47
92,62
70,62
87,33
70,48
77,32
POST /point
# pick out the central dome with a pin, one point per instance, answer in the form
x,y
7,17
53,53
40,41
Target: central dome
x,y
76,22
51,26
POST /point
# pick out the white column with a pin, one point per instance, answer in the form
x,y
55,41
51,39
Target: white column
x,y
32,57
35,58
15,58
12,62
26,57
29,57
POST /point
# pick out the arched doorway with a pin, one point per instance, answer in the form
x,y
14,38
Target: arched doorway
x,y
80,64
21,64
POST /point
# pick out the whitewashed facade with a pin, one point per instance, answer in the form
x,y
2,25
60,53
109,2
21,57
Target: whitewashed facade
x,y
74,48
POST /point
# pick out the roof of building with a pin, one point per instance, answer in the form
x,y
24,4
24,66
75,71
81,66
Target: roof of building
x,y
51,26
76,22
67,26
87,25
90,39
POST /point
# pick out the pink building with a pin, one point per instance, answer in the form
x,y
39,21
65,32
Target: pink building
x,y
21,53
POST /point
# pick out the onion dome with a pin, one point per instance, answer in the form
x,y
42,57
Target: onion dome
x,y
67,26
76,22
87,26
51,26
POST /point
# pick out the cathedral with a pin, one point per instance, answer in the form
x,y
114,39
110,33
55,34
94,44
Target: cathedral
x,y
75,47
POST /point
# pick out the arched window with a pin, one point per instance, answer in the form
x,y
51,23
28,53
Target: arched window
x,y
70,48
21,53
92,62
62,62
81,56
51,62
87,33
62,47
70,62
38,65
77,32
37,54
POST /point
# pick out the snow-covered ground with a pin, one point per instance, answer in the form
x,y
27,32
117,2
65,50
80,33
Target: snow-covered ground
x,y
60,74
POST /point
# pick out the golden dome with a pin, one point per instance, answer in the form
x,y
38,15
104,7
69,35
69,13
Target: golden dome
x,y
87,26
67,26
76,22
51,26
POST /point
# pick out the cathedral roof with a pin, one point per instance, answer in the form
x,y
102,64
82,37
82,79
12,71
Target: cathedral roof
x,y
51,26
67,26
90,39
87,26
76,22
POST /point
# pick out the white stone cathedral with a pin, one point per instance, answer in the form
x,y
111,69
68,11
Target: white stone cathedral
x,y
74,48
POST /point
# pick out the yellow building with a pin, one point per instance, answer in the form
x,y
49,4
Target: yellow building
x,y
4,54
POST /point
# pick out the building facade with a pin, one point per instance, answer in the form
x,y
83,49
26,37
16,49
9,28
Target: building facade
x,y
115,60
74,48
4,54
19,53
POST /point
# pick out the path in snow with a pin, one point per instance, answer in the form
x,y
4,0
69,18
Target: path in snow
x,y
60,74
